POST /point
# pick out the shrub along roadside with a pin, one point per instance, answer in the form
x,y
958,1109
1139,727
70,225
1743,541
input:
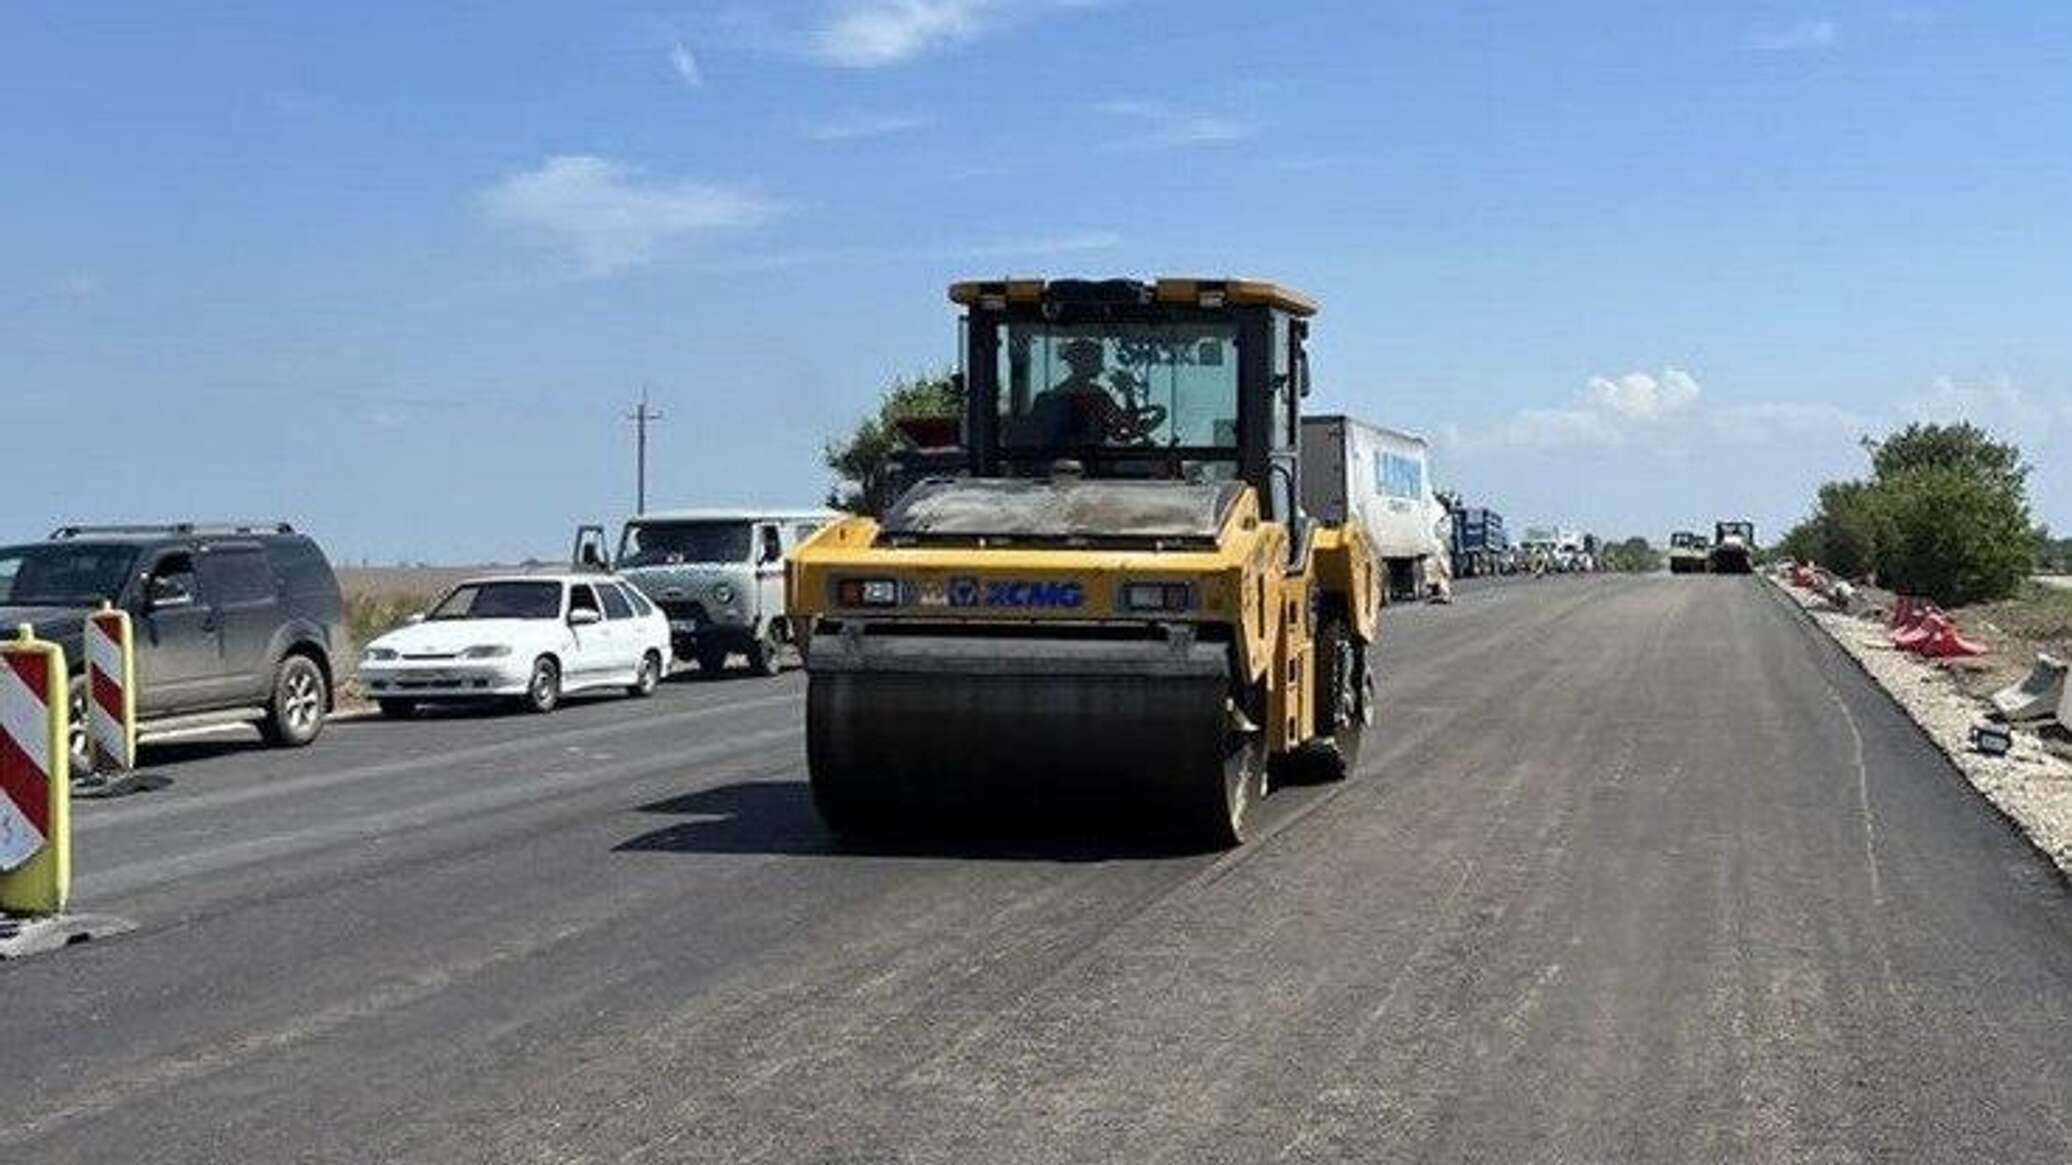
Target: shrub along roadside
x,y
1945,514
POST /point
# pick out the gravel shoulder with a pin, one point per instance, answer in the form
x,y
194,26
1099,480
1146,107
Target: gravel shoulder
x,y
2030,785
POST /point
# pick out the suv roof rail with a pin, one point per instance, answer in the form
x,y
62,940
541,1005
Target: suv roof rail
x,y
176,528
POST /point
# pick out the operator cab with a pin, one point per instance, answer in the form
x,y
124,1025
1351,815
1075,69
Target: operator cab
x,y
1178,380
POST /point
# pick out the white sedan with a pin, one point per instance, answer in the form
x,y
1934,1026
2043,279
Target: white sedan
x,y
530,638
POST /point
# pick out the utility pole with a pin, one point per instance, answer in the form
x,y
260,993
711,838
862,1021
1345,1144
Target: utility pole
x,y
640,416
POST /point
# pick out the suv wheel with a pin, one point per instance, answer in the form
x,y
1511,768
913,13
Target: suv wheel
x,y
82,760
295,714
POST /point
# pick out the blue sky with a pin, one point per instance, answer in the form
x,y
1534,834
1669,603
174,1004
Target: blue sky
x,y
395,271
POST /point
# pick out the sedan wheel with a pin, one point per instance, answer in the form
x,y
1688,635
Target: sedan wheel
x,y
650,675
543,692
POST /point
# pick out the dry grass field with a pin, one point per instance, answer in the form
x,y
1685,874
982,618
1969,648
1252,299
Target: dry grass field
x,y
379,598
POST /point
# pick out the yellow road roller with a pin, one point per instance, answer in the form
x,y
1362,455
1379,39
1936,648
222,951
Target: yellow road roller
x,y
1104,595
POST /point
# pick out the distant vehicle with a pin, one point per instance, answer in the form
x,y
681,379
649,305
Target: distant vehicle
x,y
1379,477
1479,544
529,638
1733,547
1687,552
717,575
233,622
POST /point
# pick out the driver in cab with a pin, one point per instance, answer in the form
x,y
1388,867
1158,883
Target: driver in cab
x,y
1079,410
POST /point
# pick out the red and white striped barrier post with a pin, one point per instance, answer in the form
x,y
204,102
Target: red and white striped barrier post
x,y
35,801
111,692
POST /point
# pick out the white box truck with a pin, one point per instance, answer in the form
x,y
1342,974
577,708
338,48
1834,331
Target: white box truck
x,y
1381,477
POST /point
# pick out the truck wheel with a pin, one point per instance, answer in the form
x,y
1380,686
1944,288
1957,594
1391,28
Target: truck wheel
x,y
295,714
1345,699
543,690
764,658
712,660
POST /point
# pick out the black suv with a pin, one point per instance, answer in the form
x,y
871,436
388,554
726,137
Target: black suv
x,y
232,622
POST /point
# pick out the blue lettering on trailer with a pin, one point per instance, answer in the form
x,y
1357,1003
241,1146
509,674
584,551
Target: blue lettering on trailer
x,y
1397,476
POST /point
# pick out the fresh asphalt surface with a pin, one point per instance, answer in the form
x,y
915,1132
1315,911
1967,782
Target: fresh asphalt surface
x,y
1635,870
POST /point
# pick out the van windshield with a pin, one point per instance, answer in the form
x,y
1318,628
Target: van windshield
x,y
64,574
671,543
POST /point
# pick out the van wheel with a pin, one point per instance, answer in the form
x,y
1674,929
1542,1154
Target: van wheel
x,y
295,714
650,675
543,691
712,660
764,655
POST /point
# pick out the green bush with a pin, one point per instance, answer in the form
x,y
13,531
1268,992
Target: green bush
x,y
1956,536
1944,514
1633,556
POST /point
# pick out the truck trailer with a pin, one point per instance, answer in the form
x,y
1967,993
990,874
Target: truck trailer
x,y
1479,542
1379,478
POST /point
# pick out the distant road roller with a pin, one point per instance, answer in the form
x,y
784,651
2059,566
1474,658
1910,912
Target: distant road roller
x,y
1733,548
1688,553
1105,598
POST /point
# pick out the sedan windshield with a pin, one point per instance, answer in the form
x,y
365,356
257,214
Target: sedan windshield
x,y
63,574
500,600
669,543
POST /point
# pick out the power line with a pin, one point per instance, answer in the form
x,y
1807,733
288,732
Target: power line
x,y
640,416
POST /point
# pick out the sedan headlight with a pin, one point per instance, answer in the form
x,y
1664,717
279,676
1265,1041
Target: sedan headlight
x,y
379,654
722,593
487,651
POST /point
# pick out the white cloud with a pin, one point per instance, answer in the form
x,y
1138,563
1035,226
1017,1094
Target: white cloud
x,y
869,34
1798,37
856,126
1639,396
1168,126
685,66
1764,421
1998,404
606,216
1610,410
1037,246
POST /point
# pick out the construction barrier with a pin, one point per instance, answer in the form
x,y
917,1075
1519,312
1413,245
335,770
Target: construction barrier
x,y
1944,641
111,693
35,793
2038,696
1910,627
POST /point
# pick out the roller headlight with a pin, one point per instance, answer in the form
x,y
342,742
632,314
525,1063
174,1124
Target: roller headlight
x,y
487,651
1152,596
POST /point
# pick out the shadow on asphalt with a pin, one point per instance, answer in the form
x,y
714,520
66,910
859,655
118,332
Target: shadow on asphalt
x,y
777,817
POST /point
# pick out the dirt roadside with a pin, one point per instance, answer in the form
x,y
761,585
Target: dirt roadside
x,y
2030,785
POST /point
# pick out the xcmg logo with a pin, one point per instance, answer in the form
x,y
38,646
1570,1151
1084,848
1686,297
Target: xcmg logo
x,y
1055,595
970,592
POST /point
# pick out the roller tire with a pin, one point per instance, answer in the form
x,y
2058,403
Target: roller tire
x,y
1345,700
1218,807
